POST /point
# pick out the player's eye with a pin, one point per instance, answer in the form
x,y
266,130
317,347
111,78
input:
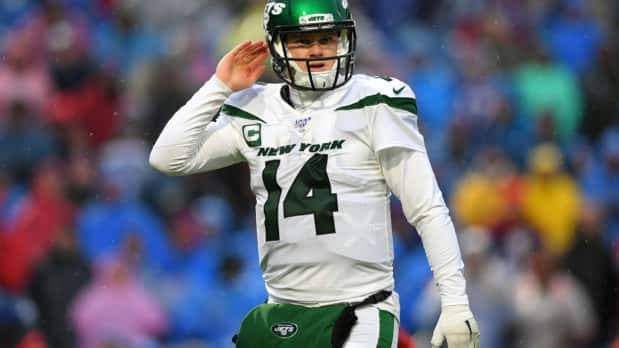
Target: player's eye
x,y
326,40
300,43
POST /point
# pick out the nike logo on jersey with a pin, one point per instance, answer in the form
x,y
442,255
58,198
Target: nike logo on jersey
x,y
398,91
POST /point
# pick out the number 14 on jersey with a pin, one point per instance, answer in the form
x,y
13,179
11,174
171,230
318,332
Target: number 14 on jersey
x,y
310,193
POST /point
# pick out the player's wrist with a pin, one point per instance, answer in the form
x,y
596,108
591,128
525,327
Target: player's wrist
x,y
220,85
453,294
457,311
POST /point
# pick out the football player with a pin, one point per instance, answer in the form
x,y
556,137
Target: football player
x,y
325,150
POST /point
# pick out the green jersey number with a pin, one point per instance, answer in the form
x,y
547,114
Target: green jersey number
x,y
310,193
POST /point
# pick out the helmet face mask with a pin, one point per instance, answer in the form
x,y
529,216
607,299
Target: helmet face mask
x,y
315,16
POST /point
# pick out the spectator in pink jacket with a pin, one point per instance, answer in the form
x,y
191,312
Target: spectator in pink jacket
x,y
117,309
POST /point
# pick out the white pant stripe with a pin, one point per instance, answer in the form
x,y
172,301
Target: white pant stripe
x,y
366,332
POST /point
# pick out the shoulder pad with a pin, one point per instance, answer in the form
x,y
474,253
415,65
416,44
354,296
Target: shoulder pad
x,y
388,86
370,91
246,96
249,104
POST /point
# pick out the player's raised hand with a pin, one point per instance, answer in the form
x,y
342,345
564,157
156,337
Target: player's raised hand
x,y
243,65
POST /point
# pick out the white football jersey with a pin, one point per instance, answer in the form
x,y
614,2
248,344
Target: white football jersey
x,y
322,204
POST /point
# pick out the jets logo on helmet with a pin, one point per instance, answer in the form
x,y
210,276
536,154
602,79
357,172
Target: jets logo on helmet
x,y
286,17
272,9
317,18
275,8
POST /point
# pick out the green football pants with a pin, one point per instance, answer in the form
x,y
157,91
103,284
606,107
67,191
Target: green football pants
x,y
288,326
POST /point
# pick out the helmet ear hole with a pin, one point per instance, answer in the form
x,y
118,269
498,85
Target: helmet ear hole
x,y
278,66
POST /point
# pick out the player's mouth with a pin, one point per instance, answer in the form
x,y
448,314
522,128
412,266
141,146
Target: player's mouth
x,y
318,66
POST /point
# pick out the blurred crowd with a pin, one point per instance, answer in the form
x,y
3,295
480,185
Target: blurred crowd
x,y
519,106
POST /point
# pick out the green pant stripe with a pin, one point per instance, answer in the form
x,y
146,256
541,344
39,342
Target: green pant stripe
x,y
385,339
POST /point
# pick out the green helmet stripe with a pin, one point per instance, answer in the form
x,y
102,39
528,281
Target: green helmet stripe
x,y
293,12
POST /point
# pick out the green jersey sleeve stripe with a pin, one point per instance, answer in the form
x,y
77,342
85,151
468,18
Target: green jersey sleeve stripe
x,y
236,112
406,104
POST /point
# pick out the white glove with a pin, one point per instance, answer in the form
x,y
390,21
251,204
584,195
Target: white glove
x,y
458,326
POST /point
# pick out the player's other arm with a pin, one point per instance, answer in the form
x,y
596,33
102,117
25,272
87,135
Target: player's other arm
x,y
403,157
410,176
191,142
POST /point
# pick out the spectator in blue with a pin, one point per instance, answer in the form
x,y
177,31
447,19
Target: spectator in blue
x,y
507,131
574,36
24,141
112,217
240,288
191,271
412,274
432,79
12,12
212,313
220,265
12,195
453,154
601,181
390,15
123,44
216,216
11,325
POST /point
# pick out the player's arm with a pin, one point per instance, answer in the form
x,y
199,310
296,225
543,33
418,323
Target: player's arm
x,y
408,173
191,142
410,176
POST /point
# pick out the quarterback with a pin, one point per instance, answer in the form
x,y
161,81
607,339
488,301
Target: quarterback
x,y
325,150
